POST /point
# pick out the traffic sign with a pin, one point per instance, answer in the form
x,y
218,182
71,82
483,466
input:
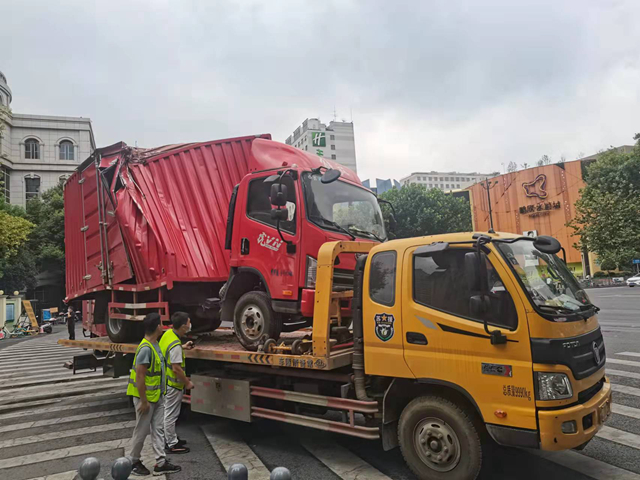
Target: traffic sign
x,y
636,261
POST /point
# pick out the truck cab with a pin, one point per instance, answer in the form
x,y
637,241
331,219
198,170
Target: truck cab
x,y
497,330
271,285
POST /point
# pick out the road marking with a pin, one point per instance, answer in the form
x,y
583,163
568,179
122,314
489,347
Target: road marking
x,y
87,449
624,389
64,392
230,449
622,373
619,436
44,361
35,389
62,377
77,432
15,409
57,420
626,411
586,465
31,371
40,349
339,460
623,362
64,408
629,354
34,356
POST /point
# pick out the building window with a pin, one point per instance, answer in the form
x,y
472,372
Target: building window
x,y
382,284
446,179
430,179
441,179
447,185
457,179
5,183
458,186
333,157
66,150
32,149
332,137
436,284
333,147
31,187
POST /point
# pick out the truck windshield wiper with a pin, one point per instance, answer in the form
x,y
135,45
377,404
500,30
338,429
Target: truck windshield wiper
x,y
558,308
365,232
333,224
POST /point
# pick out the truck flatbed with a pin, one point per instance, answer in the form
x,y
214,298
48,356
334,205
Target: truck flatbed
x,y
222,345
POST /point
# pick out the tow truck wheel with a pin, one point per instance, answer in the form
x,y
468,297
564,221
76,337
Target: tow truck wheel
x,y
439,440
123,331
254,319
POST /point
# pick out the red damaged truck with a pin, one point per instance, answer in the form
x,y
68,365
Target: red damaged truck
x,y
227,230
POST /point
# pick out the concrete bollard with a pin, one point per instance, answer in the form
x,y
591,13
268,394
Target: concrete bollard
x,y
280,473
89,468
121,469
238,472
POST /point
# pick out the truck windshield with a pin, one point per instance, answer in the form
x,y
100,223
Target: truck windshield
x,y
341,206
550,284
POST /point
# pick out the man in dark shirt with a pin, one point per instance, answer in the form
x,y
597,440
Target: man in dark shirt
x,y
71,323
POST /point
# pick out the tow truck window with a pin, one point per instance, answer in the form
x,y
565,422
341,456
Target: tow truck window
x,y
382,286
440,282
259,204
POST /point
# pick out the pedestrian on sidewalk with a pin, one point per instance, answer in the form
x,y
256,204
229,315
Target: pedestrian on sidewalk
x,y
173,351
147,386
71,323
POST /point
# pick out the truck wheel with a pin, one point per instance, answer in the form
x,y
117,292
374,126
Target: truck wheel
x,y
123,331
439,440
254,319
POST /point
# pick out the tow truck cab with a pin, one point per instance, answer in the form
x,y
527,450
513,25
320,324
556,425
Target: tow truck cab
x,y
494,322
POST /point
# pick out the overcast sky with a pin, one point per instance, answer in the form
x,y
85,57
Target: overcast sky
x,y
464,85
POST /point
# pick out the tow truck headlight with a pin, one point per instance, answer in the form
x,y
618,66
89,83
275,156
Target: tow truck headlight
x,y
312,269
553,386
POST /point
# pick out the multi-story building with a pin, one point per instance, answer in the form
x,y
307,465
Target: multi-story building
x,y
446,180
39,151
335,141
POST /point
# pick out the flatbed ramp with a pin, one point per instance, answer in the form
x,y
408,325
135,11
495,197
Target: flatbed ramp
x,y
223,346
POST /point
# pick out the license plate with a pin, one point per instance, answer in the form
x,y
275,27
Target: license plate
x,y
605,411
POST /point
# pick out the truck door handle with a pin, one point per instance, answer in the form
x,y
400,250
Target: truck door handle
x,y
244,246
416,338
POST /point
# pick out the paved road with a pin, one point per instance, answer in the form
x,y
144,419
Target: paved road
x,y
50,420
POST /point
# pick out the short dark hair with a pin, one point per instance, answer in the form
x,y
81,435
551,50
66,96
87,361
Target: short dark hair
x,y
178,319
151,322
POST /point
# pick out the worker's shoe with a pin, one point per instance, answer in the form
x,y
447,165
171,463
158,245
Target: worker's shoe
x,y
177,450
167,467
140,470
180,443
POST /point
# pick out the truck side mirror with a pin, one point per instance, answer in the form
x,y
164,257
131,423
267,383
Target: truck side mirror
x,y
475,269
479,305
278,195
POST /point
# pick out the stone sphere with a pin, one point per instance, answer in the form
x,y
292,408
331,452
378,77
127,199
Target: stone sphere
x,y
89,468
121,469
280,473
238,472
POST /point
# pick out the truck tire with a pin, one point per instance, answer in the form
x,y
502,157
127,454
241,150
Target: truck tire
x,y
254,320
124,331
439,440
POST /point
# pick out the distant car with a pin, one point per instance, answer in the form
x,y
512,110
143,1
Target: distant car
x,y
633,281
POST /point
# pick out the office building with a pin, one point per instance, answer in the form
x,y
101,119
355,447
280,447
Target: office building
x,y
446,180
334,141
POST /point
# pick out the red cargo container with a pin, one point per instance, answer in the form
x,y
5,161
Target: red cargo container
x,y
146,230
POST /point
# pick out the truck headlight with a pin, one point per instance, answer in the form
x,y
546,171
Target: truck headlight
x,y
312,269
553,386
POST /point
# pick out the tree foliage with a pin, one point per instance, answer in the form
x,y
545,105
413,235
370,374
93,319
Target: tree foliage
x,y
14,231
512,167
608,210
426,212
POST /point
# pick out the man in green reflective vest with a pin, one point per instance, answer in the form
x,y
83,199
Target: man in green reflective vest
x,y
173,352
147,386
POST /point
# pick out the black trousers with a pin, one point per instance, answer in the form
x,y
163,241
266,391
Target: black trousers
x,y
71,326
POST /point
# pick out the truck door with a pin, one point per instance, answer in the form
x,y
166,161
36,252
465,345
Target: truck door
x,y
262,247
444,341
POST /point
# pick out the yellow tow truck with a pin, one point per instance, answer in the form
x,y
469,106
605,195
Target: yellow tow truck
x,y
449,340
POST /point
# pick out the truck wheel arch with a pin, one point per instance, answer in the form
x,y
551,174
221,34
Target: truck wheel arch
x,y
401,391
241,281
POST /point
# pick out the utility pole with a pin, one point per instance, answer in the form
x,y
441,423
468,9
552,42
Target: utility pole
x,y
488,185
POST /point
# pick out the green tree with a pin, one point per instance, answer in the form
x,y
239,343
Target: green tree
x,y
426,212
47,240
608,210
607,265
512,167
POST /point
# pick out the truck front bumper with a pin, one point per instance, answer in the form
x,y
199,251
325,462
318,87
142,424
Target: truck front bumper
x,y
588,418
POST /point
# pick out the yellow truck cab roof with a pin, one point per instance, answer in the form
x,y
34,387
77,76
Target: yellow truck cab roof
x,y
404,243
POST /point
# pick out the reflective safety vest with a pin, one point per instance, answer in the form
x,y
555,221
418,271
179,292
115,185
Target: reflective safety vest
x,y
153,378
167,343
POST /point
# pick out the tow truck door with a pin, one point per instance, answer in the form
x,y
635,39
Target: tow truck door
x,y
445,343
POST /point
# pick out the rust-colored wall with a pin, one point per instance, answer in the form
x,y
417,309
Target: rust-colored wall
x,y
509,195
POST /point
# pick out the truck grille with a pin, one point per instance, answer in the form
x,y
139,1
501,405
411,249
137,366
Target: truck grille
x,y
577,353
342,279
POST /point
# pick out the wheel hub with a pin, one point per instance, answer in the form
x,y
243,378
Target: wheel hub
x,y
437,444
252,321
